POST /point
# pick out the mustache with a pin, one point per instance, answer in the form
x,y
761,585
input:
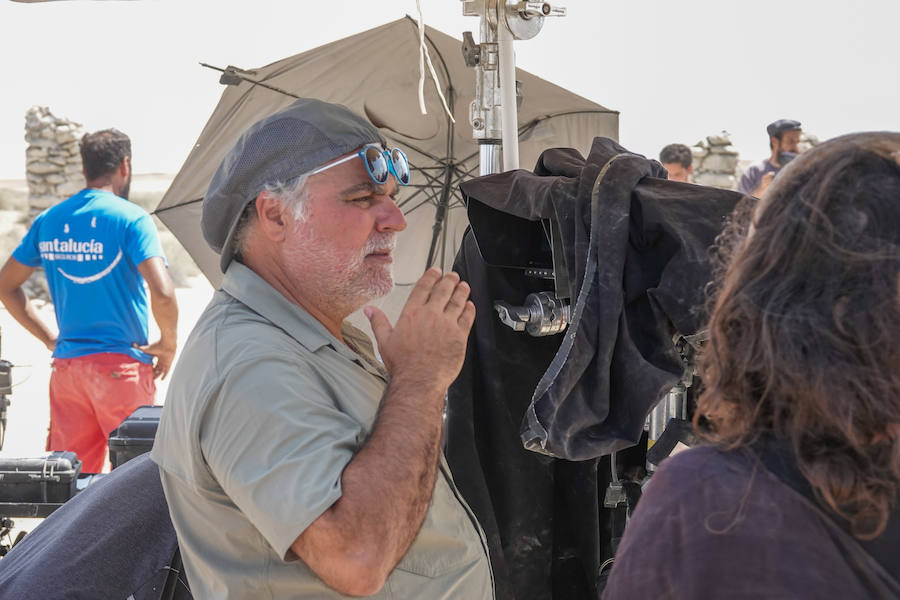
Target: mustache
x,y
379,242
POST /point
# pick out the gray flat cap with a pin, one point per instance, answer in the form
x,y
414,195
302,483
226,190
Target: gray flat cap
x,y
279,148
780,126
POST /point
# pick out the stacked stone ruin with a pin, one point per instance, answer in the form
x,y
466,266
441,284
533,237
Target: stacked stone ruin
x,y
53,161
716,162
53,171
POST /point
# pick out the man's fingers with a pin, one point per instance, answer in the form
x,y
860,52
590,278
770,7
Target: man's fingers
x,y
443,289
161,370
458,299
422,289
467,318
381,327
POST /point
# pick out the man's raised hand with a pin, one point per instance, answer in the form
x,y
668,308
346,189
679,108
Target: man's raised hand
x,y
428,343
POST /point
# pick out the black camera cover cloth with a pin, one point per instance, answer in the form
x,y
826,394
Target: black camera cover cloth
x,y
635,250
112,540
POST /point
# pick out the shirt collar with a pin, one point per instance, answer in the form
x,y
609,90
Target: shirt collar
x,y
246,286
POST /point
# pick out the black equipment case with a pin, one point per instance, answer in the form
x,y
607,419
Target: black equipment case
x,y
135,435
47,479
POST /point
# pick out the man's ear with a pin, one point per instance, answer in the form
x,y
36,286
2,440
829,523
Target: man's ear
x,y
270,216
125,167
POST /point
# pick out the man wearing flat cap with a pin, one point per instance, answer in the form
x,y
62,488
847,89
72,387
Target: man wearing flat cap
x,y
295,464
784,140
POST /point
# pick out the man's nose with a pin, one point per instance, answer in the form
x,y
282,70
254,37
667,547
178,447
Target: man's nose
x,y
391,217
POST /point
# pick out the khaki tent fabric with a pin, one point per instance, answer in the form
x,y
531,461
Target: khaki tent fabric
x,y
375,73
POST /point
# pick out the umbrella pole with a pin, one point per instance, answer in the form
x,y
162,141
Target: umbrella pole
x,y
441,212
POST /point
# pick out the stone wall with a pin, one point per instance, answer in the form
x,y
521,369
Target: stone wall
x,y
716,161
717,164
53,161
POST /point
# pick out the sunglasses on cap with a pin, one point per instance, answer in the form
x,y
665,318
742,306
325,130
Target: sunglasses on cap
x,y
379,163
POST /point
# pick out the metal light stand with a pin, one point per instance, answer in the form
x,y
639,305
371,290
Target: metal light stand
x,y
494,112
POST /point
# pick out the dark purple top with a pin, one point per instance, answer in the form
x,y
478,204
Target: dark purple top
x,y
754,174
715,524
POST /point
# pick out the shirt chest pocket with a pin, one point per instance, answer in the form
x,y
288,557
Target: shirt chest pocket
x,y
447,540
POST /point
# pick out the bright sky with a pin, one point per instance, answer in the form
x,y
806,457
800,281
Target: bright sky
x,y
676,70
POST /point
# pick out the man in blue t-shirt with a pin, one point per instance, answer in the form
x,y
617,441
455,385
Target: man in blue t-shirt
x,y
97,250
784,140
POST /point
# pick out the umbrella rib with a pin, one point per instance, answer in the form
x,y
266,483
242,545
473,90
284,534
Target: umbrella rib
x,y
406,201
423,202
424,153
159,210
432,178
248,80
432,183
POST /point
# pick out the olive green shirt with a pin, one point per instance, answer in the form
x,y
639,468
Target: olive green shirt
x,y
264,411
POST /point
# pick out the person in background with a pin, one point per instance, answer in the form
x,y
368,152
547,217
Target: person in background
x,y
678,161
798,494
784,140
294,463
97,250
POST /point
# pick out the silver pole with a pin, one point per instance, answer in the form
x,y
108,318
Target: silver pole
x,y
489,155
509,111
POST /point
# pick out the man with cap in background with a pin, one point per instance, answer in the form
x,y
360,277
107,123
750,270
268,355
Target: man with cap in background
x,y
294,463
784,140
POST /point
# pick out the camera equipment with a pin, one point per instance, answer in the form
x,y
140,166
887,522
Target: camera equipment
x,y
669,422
34,488
5,389
543,314
531,247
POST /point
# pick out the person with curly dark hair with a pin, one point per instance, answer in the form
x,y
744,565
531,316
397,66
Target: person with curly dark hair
x,y
797,495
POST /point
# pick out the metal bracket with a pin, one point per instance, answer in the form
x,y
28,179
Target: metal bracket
x,y
514,317
470,50
543,314
615,495
525,19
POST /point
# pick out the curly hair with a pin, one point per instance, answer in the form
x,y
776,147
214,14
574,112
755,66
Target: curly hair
x,y
805,327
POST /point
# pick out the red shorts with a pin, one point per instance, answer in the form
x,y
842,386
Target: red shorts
x,y
89,397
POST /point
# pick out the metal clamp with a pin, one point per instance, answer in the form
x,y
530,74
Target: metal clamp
x,y
525,19
543,314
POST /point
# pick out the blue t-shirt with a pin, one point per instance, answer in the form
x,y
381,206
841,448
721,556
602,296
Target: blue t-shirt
x,y
90,246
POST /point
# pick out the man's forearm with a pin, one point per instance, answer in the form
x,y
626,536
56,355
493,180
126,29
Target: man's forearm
x,y
18,305
397,465
386,491
165,313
